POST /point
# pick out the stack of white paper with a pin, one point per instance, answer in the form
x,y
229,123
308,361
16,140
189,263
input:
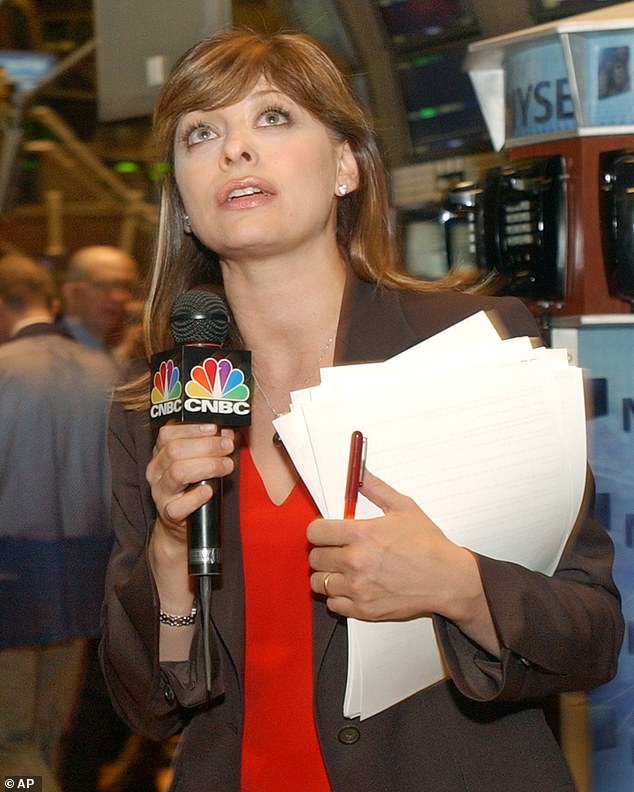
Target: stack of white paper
x,y
486,435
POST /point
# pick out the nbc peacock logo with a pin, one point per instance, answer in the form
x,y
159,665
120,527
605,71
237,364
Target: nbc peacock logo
x,y
167,383
217,379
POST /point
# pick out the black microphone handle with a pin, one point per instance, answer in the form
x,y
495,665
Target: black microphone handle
x,y
205,560
205,534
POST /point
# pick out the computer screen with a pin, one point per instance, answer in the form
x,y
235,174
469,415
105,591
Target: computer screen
x,y
26,70
544,10
413,23
443,112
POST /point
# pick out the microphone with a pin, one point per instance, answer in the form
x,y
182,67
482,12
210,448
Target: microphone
x,y
199,381
201,317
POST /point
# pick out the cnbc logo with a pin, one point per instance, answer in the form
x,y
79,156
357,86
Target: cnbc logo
x,y
215,388
167,383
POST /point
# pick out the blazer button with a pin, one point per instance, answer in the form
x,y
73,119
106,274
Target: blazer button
x,y
168,692
349,735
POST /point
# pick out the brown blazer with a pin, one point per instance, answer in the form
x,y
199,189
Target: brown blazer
x,y
483,731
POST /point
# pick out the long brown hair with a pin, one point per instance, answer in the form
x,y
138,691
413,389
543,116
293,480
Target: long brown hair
x,y
220,71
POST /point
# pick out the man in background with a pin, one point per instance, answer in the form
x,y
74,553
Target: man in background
x,y
54,517
97,290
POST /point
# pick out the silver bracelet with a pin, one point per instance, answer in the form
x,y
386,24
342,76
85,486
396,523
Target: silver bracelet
x,y
178,621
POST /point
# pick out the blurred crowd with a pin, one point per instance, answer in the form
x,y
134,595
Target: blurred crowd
x,y
65,333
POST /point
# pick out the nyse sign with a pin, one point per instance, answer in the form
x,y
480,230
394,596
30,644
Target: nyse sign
x,y
540,107
538,99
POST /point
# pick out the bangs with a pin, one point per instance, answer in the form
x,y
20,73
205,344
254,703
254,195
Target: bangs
x,y
222,71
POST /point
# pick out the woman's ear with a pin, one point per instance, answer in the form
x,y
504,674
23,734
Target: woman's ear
x,y
347,171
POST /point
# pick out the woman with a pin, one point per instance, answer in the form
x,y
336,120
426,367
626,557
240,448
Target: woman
x,y
276,196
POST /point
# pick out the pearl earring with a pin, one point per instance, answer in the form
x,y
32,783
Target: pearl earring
x,y
342,190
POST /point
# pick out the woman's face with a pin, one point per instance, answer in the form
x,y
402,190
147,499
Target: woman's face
x,y
259,177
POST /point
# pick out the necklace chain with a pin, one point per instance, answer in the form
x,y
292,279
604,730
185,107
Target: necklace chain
x,y
265,397
275,412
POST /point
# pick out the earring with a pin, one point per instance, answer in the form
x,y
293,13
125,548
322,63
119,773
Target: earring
x,y
186,224
342,190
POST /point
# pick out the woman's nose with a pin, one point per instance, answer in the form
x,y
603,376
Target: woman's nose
x,y
238,148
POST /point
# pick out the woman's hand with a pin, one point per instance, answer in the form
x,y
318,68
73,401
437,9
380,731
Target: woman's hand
x,y
184,455
398,566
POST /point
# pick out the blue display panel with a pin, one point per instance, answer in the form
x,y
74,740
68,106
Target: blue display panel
x,y
538,94
603,62
606,353
26,70
539,90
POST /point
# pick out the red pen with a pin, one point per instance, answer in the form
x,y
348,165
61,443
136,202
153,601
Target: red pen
x,y
356,469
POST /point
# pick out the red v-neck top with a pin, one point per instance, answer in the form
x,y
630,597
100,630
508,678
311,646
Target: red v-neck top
x,y
280,748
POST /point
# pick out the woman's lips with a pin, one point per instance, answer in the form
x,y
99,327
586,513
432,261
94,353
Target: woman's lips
x,y
249,191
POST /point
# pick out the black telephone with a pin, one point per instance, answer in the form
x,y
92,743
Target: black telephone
x,y
617,216
461,218
525,227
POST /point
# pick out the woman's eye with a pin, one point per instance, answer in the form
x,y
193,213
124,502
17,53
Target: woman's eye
x,y
274,117
199,134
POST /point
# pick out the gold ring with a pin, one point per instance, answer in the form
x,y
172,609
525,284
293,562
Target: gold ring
x,y
326,579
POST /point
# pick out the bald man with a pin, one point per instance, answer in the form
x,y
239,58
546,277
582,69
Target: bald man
x,y
98,286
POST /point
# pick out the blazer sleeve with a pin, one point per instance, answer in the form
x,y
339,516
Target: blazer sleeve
x,y
558,633
149,696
